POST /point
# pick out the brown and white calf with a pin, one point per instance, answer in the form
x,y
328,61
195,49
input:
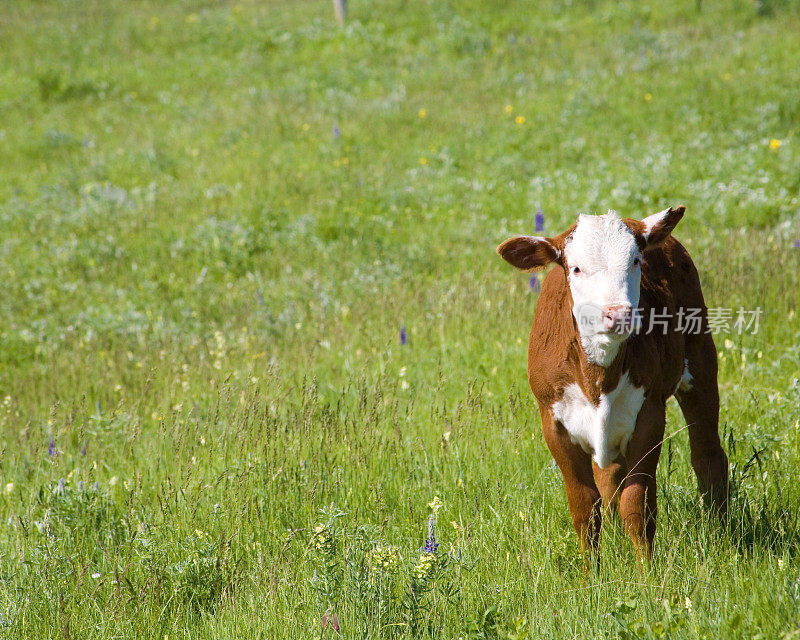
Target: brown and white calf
x,y
602,379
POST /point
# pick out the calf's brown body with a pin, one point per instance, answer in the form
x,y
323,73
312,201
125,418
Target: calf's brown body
x,y
654,361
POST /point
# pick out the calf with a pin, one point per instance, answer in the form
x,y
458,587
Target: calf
x,y
610,344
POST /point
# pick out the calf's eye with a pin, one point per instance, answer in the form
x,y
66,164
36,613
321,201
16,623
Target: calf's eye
x,y
636,262
576,270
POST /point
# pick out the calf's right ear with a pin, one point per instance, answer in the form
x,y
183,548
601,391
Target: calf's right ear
x,y
529,252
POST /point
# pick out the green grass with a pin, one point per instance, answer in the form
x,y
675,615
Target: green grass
x,y
202,292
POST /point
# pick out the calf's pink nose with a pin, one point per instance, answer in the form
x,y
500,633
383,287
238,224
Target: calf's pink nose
x,y
616,316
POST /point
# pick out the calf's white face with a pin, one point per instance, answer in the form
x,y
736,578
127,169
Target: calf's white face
x,y
604,270
602,258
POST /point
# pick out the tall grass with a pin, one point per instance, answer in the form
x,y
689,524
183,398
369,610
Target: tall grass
x,y
216,221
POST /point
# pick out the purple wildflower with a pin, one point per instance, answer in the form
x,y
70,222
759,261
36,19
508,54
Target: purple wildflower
x,y
796,244
260,297
332,620
336,132
403,335
539,220
534,282
51,450
431,545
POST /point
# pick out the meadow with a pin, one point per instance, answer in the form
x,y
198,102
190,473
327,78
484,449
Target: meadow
x,y
254,333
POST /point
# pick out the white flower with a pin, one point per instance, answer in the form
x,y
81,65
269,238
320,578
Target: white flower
x,y
435,504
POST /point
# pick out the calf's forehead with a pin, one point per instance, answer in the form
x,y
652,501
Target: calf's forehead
x,y
601,242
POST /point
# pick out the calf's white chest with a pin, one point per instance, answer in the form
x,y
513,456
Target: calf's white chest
x,y
601,430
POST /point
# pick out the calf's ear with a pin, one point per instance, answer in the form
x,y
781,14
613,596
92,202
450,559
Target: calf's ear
x,y
528,252
657,227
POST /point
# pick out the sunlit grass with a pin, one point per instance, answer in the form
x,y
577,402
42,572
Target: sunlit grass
x,y
218,219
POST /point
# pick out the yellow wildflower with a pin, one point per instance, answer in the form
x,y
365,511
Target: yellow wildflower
x,y
520,119
386,558
774,144
424,568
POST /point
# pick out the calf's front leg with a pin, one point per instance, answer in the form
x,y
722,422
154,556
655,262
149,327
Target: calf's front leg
x,y
582,494
637,502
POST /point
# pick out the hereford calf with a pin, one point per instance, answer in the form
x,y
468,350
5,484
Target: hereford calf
x,y
610,343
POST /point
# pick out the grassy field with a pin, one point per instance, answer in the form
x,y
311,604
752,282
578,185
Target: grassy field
x,y
217,220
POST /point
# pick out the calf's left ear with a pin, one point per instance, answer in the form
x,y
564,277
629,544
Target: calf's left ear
x,y
657,227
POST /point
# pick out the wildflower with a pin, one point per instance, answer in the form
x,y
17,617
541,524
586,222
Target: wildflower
x,y
403,336
424,568
96,575
688,604
431,546
321,539
648,97
774,144
534,283
509,108
332,620
51,450
796,244
113,481
520,119
539,221
9,487
435,504
423,161
423,114
336,132
386,558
